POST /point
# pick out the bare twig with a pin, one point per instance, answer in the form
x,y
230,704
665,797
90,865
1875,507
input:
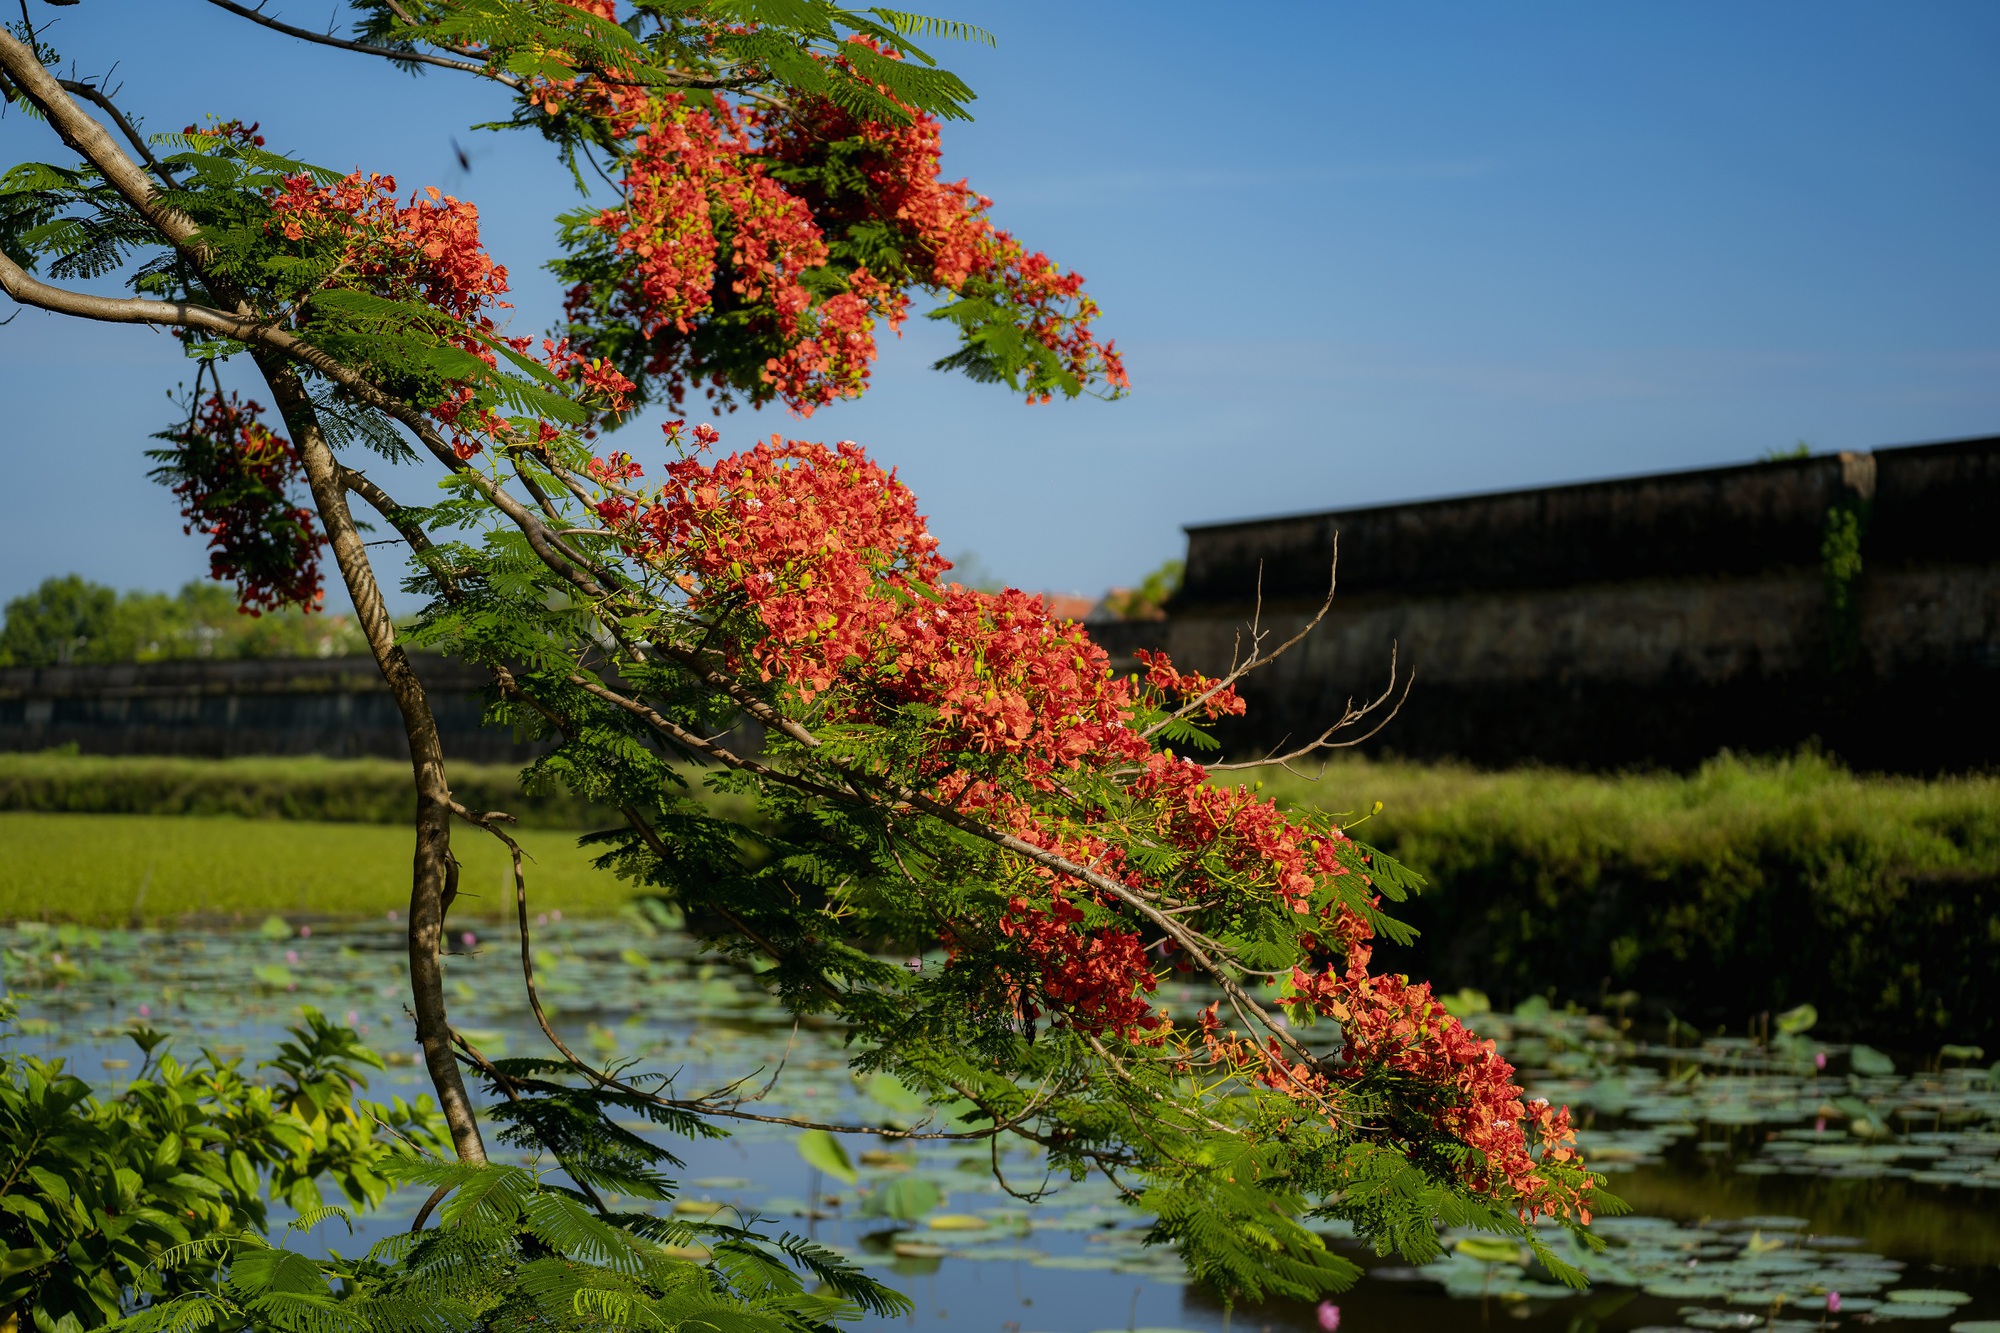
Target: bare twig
x,y
1349,716
90,92
1258,658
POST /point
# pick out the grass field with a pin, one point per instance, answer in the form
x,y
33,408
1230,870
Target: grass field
x,y
120,869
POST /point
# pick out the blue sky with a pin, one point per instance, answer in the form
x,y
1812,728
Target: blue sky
x,y
1354,253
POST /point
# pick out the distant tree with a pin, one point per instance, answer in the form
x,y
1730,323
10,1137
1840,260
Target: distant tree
x,y
1148,601
68,619
58,623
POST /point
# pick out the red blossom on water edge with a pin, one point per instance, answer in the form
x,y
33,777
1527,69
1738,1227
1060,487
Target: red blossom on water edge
x,y
1388,1023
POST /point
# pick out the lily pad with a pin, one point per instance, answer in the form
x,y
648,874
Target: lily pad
x,y
958,1222
1930,1296
1688,1289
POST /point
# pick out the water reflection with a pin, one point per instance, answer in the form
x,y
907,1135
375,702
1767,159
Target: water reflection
x,y
1764,1177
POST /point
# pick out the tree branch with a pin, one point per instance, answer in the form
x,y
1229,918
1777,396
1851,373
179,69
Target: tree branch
x,y
482,69
92,93
432,867
93,142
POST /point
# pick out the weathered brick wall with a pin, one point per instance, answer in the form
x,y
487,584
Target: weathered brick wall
x,y
1643,620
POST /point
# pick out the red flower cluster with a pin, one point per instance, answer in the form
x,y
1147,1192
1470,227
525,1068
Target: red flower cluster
x,y
429,251
698,184
829,555
1389,1024
1100,977
945,225
235,478
817,541
233,131
693,179
426,250
1245,834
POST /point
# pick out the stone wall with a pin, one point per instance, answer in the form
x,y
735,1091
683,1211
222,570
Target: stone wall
x,y
1645,620
334,706
1636,621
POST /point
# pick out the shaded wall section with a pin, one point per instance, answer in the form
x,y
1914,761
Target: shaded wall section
x,y
1851,598
337,707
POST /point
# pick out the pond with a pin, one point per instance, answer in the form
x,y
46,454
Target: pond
x,y
1763,1175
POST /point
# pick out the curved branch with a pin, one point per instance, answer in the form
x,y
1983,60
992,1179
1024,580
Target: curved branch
x,y
480,68
476,62
92,93
94,143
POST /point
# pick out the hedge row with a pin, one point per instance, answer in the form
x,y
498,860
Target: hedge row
x,y
343,791
1746,887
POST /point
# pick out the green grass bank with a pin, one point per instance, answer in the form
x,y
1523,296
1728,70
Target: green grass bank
x,y
1748,886
116,870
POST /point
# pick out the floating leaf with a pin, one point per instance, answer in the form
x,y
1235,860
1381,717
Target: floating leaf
x,y
888,1092
823,1152
1868,1060
1930,1296
904,1200
1794,1021
958,1222
1489,1250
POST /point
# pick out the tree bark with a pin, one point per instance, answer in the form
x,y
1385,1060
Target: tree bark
x,y
434,870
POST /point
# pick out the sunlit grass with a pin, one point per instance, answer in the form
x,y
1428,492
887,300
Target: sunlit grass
x,y
121,869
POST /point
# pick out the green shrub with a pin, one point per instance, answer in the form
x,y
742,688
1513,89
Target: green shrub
x,y
344,791
1749,886
94,1194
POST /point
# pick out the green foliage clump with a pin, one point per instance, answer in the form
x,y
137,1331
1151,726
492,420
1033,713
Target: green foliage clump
x,y
1748,886
96,1195
72,620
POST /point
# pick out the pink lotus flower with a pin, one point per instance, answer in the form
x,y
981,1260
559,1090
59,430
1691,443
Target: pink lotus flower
x,y
1833,1302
